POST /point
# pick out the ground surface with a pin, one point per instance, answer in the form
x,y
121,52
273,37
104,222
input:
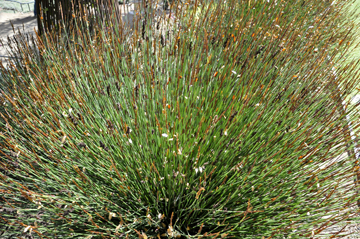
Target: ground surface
x,y
23,22
17,5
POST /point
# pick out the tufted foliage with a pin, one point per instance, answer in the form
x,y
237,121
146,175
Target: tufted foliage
x,y
224,119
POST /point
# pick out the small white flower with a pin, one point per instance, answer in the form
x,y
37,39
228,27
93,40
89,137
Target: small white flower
x,y
111,215
27,228
164,135
171,139
200,169
130,141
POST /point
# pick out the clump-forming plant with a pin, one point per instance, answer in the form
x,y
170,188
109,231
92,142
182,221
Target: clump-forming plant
x,y
228,122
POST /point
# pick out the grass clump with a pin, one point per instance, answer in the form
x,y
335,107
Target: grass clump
x,y
215,120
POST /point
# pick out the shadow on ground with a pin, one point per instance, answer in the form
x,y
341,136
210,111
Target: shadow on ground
x,y
25,24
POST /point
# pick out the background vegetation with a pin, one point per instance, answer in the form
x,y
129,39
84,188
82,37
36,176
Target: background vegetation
x,y
218,119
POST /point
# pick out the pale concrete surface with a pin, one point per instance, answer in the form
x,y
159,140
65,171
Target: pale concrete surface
x,y
25,23
17,5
